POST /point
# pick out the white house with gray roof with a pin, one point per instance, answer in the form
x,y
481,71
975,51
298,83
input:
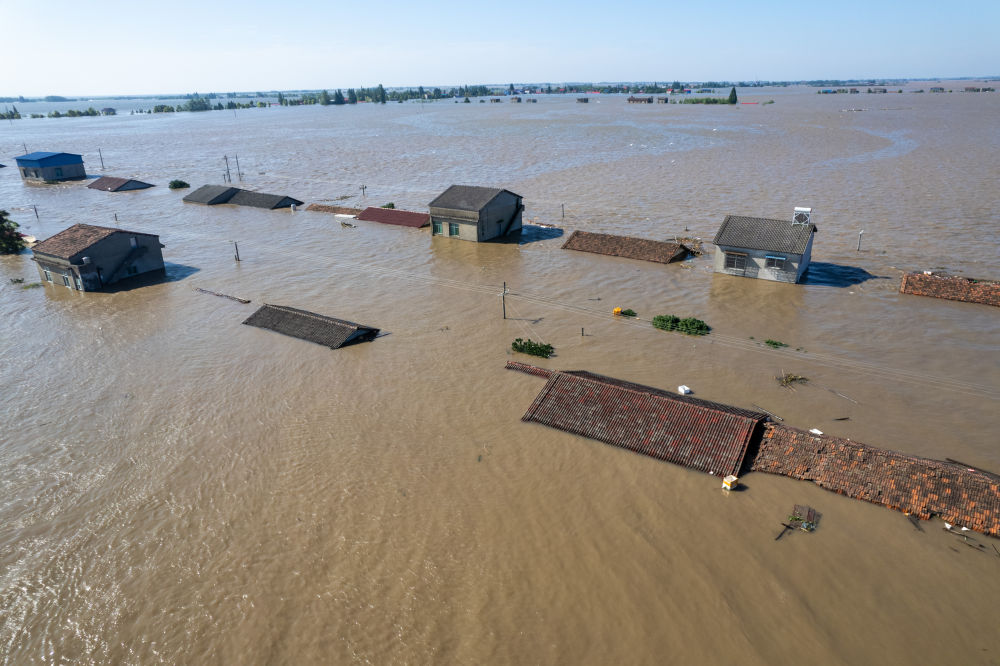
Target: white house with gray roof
x,y
475,213
763,248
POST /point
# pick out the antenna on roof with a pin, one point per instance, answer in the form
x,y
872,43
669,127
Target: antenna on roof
x,y
802,216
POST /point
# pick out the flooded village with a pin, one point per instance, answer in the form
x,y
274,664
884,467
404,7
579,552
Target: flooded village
x,y
208,458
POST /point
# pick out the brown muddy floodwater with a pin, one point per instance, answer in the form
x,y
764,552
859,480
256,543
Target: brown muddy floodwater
x,y
178,488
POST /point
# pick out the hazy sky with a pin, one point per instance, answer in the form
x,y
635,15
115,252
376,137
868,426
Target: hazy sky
x,y
105,47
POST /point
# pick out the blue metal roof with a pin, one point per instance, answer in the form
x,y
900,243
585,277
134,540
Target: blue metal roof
x,y
43,159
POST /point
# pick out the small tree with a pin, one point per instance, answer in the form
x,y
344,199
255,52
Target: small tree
x,y
380,94
338,97
324,98
11,240
352,96
732,96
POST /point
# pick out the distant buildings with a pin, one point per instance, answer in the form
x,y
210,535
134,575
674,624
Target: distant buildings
x,y
767,249
85,257
45,167
475,213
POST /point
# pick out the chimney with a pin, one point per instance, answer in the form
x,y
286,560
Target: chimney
x,y
802,216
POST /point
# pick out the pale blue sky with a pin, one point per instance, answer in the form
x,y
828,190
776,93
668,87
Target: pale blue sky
x,y
175,46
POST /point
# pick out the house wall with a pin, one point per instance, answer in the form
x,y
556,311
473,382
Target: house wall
x,y
111,260
795,264
495,219
64,172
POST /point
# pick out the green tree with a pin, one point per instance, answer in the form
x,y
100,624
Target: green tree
x,y
352,96
324,98
380,94
11,241
281,99
676,85
732,96
338,97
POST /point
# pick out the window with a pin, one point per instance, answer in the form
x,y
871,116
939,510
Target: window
x,y
79,283
736,261
66,280
48,275
452,228
436,228
58,172
771,261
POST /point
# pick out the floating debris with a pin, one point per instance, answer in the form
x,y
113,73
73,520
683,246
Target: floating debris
x,y
787,379
215,293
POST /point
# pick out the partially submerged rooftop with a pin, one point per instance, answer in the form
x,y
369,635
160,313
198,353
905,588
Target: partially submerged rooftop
x,y
467,197
403,218
76,239
765,234
327,331
213,195
114,184
663,252
700,434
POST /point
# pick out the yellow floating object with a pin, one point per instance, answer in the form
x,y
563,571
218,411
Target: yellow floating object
x,y
616,311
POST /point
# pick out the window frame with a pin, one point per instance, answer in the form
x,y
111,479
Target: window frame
x,y
738,261
436,228
453,230
775,262
48,274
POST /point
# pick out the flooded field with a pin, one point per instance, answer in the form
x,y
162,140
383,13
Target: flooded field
x,y
176,487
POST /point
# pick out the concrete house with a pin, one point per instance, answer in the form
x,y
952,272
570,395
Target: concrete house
x,y
757,247
87,258
50,167
475,213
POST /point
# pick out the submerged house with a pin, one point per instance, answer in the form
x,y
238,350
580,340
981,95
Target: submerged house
x,y
644,249
112,184
85,257
401,218
327,331
44,167
213,195
475,213
762,248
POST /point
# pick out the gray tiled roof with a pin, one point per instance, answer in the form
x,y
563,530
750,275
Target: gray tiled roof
x,y
467,197
211,194
76,239
328,331
758,233
261,200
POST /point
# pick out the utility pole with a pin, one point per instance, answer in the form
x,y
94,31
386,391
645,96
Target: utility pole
x,y
229,176
860,233
239,174
503,300
36,210
102,158
563,210
237,247
363,188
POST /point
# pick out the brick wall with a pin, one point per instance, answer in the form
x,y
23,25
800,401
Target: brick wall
x,y
952,288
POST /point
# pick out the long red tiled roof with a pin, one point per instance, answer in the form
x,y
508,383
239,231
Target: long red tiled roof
x,y
699,434
403,218
920,486
626,246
